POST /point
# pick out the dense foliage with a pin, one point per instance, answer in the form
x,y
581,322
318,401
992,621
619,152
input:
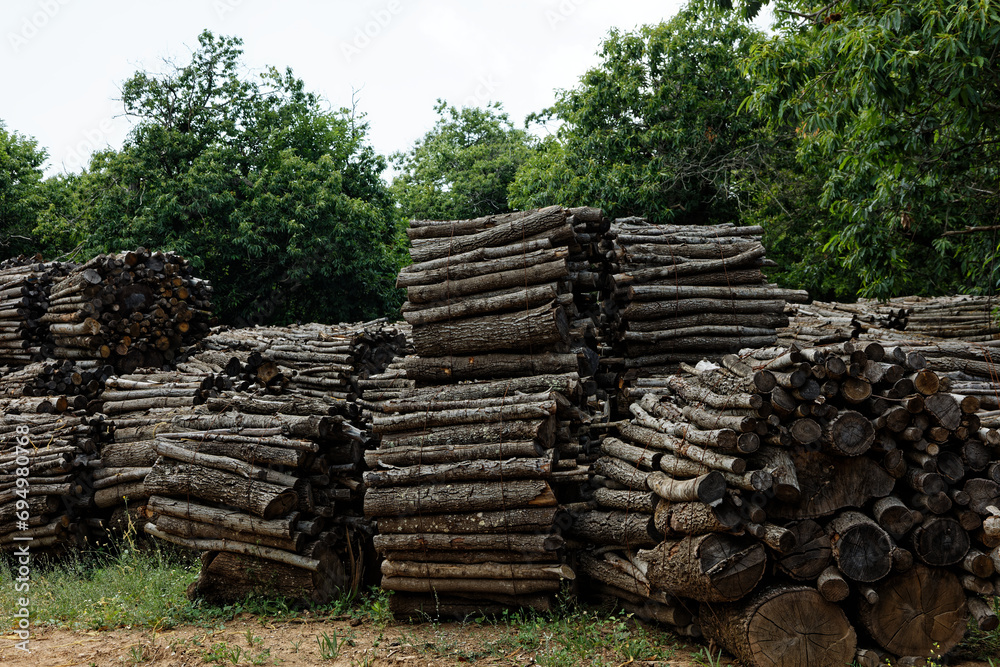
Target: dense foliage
x,y
895,106
463,166
654,129
21,197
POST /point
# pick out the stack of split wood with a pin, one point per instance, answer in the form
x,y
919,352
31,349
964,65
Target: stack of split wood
x,y
318,360
480,438
24,298
46,460
799,504
131,310
683,293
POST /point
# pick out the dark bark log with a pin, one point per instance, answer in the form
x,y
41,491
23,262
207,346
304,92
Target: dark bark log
x,y
540,430
462,571
832,585
536,223
861,547
940,541
538,520
782,626
458,498
180,479
460,307
830,484
524,543
225,518
811,554
454,274
478,367
920,613
461,471
632,530
538,327
629,501
227,578
408,456
708,488
707,568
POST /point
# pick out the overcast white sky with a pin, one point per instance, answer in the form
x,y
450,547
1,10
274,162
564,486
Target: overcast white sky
x,y
61,61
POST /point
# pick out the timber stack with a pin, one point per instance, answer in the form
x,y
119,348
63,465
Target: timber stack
x,y
794,498
24,298
479,442
130,310
47,456
684,293
266,487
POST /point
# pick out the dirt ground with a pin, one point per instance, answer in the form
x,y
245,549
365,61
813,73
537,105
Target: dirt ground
x,y
250,640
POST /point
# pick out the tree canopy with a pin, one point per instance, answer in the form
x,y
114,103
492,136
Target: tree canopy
x,y
276,199
895,106
463,166
654,130
21,195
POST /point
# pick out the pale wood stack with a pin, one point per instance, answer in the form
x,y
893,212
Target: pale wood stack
x,y
683,293
798,496
24,299
131,310
480,438
55,500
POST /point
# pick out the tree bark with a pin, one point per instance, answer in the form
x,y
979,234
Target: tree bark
x,y
538,327
707,568
181,479
439,370
458,498
539,520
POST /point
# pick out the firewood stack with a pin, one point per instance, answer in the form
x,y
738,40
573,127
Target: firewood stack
x,y
480,439
54,378
58,457
130,310
266,486
814,501
24,298
683,293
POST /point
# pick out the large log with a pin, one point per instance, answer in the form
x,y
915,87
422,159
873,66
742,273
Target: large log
x,y
226,578
448,369
536,520
516,230
513,571
537,327
811,554
861,547
707,568
830,484
515,542
181,479
408,456
782,626
430,419
522,299
224,518
921,612
459,271
632,530
540,430
466,497
461,471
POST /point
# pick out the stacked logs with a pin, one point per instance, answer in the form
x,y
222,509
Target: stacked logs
x,y
480,438
266,487
317,360
24,298
55,378
46,460
681,293
779,493
130,310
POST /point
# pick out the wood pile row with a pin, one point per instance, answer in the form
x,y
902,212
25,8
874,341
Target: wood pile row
x,y
962,317
800,504
683,293
130,310
54,378
318,360
24,299
46,462
482,427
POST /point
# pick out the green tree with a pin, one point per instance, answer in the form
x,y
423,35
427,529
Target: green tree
x,y
654,130
21,193
462,167
276,199
896,107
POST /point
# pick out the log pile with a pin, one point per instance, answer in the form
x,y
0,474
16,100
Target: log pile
x,y
266,487
46,461
24,299
130,310
683,293
799,504
317,360
481,429
55,378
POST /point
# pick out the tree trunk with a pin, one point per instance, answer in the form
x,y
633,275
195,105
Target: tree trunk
x,y
540,520
441,370
472,497
707,568
260,498
461,471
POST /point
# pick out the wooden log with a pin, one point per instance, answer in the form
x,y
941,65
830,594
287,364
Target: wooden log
x,y
861,547
430,419
811,554
849,434
782,626
830,484
512,571
709,458
537,327
466,497
481,366
423,607
708,488
707,568
234,546
940,541
523,543
629,501
832,586
119,494
181,479
921,612
632,530
893,516
225,518
534,520
634,455
225,463
457,308
694,518
227,578
188,529
982,613
408,456
539,430
461,471
456,272
784,481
